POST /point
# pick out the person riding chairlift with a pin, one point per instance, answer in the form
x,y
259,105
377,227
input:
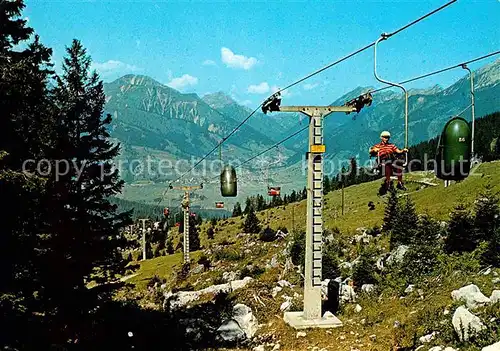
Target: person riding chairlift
x,y
386,153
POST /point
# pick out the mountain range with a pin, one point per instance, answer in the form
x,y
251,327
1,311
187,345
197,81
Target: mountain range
x,y
152,119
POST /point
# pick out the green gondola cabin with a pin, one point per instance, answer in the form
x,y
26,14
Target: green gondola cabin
x,y
228,182
454,150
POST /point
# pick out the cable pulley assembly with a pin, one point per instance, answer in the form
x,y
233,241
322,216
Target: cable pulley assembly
x,y
360,102
272,104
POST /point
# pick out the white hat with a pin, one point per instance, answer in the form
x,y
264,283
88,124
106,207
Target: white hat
x,y
385,133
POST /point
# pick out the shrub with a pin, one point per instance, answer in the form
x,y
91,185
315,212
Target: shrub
x,y
251,224
253,271
365,272
330,262
460,236
204,260
227,255
210,233
297,250
267,234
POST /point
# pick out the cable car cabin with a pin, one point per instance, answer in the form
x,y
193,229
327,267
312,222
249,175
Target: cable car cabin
x,y
219,205
228,182
274,191
454,150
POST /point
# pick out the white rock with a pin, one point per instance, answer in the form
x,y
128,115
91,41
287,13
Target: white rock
x,y
231,331
259,348
488,271
276,290
436,348
464,322
368,288
284,283
363,238
373,337
285,306
358,308
182,298
427,338
276,347
495,280
347,293
472,296
301,334
495,296
493,347
245,320
449,349
397,254
410,288
446,312
345,265
230,276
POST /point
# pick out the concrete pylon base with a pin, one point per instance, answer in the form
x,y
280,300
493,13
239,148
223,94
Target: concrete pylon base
x,y
297,320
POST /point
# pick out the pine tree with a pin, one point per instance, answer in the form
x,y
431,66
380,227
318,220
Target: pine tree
x,y
25,134
251,224
390,212
213,221
210,233
82,225
487,215
326,185
261,203
237,210
404,225
460,231
194,237
248,205
170,245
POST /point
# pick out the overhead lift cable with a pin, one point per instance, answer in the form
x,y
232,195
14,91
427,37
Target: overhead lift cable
x,y
308,77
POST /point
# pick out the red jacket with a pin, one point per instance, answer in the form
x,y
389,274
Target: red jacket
x,y
386,149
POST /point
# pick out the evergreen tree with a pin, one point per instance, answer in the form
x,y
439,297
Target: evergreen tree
x,y
460,231
210,233
251,224
237,210
326,185
261,203
248,205
213,221
194,237
390,212
405,224
293,196
82,225
487,215
170,245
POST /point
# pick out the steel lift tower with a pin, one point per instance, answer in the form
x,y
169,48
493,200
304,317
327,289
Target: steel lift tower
x,y
311,317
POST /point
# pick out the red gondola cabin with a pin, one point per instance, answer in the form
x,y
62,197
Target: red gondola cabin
x,y
219,205
274,191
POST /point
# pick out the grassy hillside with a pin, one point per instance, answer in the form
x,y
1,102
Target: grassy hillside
x,y
416,314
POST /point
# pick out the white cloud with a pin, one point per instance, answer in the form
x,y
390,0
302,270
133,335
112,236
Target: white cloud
x,y
261,88
310,86
246,102
237,61
114,67
182,82
209,63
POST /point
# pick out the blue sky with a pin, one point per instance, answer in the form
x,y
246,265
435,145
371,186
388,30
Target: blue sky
x,y
248,48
